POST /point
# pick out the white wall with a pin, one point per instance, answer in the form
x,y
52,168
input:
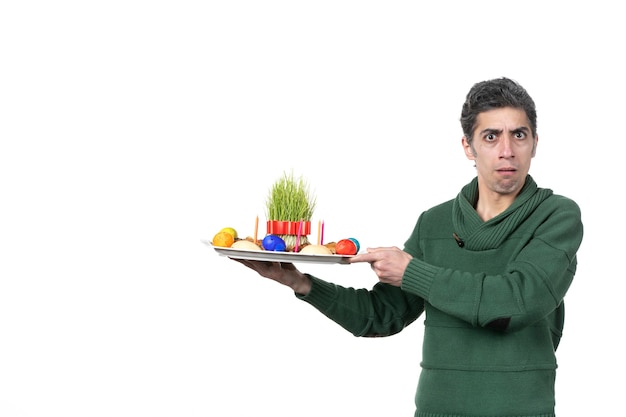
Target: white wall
x,y
132,130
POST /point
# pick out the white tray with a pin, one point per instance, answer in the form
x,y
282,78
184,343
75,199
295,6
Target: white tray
x,y
263,255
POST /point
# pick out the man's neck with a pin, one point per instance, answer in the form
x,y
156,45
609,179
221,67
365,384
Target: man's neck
x,y
490,203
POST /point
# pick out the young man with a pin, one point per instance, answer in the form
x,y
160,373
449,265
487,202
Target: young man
x,y
489,268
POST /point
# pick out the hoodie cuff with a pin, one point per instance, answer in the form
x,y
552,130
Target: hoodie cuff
x,y
419,277
321,295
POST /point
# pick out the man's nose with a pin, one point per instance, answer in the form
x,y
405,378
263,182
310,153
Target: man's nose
x,y
506,148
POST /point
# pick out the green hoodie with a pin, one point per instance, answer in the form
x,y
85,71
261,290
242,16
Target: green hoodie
x,y
492,293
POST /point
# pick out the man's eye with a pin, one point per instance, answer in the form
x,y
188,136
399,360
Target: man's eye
x,y
491,137
520,135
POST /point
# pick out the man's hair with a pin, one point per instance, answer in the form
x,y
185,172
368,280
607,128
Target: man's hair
x,y
495,94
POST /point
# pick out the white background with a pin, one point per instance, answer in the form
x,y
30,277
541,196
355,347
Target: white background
x,y
132,130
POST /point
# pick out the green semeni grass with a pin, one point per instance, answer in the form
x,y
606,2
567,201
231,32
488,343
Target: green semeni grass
x,y
290,199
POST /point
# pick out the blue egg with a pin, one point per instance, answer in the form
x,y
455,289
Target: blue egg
x,y
356,243
274,243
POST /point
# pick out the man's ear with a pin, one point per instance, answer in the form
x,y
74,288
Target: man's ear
x,y
535,145
467,148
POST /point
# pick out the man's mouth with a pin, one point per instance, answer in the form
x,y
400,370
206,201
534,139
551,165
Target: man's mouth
x,y
507,170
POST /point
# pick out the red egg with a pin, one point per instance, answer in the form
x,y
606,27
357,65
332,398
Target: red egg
x,y
346,247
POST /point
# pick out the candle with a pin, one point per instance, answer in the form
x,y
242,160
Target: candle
x,y
322,235
298,236
319,236
256,229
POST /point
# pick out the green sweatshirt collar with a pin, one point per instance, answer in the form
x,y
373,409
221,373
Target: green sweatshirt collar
x,y
479,235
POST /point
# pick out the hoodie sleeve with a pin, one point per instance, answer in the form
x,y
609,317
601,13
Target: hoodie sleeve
x,y
382,311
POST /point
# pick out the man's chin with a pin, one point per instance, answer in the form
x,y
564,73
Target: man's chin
x,y
509,186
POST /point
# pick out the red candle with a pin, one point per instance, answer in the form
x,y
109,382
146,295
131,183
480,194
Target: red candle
x,y
298,237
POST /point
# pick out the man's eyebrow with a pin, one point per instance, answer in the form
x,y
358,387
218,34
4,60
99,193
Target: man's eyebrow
x,y
524,129
490,131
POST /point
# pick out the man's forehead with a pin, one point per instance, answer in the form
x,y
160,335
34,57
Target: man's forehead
x,y
503,118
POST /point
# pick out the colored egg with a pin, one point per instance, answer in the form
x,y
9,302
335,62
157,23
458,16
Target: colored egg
x,y
274,243
356,243
345,247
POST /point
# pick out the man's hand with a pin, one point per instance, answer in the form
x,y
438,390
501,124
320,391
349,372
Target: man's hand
x,y
281,272
388,263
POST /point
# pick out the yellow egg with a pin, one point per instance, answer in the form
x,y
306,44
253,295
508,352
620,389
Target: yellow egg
x,y
231,231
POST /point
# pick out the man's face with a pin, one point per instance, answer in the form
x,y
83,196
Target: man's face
x,y
502,149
